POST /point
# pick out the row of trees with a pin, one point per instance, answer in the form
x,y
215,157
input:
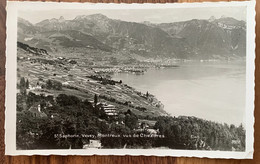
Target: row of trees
x,y
194,133
23,85
50,84
103,80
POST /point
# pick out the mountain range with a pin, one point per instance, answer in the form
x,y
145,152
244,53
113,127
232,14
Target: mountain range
x,y
194,39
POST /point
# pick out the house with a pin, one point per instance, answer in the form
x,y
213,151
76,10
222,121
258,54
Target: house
x,y
35,87
54,115
143,125
110,110
65,83
36,111
152,131
61,58
93,144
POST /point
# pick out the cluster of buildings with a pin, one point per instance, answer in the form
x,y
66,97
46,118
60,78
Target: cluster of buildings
x,y
127,69
109,109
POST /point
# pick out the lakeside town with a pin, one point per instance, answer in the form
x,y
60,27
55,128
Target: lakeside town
x,y
67,97
62,93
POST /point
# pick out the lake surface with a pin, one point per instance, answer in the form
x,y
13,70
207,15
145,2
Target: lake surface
x,y
213,91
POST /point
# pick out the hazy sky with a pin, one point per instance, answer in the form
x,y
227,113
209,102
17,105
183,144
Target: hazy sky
x,y
137,15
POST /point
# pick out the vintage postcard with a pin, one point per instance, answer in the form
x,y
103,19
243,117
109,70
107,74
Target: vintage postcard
x,y
130,79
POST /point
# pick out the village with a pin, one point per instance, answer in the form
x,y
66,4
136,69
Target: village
x,y
144,129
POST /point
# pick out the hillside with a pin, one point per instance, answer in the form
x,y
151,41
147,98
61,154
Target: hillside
x,y
213,38
80,80
26,49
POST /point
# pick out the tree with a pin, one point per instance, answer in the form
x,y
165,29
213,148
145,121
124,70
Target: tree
x,y
147,94
56,85
49,84
28,130
22,86
23,91
128,112
32,98
131,120
65,100
22,83
27,84
95,100
241,136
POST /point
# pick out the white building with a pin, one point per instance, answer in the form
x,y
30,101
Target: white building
x,y
110,110
93,144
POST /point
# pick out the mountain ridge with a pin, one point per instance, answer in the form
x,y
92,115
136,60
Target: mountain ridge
x,y
194,39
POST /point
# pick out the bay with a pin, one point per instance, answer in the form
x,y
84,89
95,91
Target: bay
x,y
213,90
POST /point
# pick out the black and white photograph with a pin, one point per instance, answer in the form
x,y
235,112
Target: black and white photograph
x,y
173,78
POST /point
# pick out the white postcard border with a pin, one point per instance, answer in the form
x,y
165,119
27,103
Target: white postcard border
x,y
11,65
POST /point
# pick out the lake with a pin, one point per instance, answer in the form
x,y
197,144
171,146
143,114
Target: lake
x,y
212,91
